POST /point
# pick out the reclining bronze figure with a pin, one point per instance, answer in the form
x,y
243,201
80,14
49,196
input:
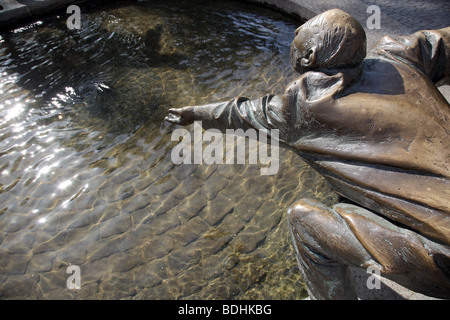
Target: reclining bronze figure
x,y
377,128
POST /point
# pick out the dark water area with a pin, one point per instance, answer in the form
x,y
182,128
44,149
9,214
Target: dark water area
x,y
86,177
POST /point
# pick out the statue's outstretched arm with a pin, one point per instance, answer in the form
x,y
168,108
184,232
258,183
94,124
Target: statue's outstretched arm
x,y
239,113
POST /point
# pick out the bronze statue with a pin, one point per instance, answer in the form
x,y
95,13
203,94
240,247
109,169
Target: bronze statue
x,y
377,128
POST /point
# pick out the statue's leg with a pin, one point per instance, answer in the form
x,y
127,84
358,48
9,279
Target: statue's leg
x,y
328,241
408,258
325,247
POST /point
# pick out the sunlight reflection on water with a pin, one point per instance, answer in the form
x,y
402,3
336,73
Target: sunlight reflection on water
x,y
85,170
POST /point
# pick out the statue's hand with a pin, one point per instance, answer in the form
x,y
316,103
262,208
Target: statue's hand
x,y
182,116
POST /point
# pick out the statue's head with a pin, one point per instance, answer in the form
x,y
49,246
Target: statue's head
x,y
330,40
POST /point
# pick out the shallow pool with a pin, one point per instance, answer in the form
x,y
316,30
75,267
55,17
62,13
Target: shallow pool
x,y
86,176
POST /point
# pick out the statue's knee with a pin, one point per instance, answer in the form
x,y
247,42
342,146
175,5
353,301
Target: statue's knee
x,y
297,213
314,224
297,210
307,220
305,211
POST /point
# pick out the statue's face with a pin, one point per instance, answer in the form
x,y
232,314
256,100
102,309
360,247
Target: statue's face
x,y
300,49
330,40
